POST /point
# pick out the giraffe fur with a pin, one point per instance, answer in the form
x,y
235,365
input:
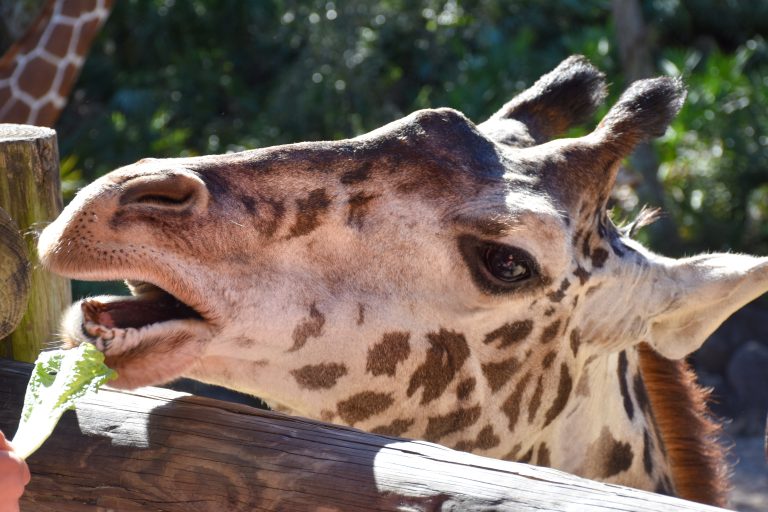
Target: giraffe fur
x,y
432,279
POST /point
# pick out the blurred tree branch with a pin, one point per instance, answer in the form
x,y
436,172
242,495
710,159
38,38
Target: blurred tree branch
x,y
635,55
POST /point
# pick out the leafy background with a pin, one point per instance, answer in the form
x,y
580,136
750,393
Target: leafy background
x,y
170,78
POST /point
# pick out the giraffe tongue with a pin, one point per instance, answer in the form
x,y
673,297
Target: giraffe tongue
x,y
137,311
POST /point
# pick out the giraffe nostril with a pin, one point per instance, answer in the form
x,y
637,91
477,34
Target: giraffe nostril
x,y
166,191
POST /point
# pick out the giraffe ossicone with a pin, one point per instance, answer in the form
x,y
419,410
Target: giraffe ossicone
x,y
432,279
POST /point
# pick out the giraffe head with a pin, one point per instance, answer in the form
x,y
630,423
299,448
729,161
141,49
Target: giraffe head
x,y
425,278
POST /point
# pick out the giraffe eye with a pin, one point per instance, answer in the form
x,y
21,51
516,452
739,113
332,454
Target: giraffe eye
x,y
507,264
499,269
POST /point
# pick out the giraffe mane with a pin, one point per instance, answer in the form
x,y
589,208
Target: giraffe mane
x,y
689,433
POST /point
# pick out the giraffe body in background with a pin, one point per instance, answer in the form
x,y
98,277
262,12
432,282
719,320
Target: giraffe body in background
x,y
38,71
435,278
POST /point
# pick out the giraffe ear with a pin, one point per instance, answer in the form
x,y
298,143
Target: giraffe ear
x,y
697,294
565,96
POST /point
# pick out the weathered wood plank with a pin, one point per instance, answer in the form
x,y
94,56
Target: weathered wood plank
x,y
156,449
31,194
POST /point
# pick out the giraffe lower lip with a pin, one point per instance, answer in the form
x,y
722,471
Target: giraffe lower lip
x,y
136,311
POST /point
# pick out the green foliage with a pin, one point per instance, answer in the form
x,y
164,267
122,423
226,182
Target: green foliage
x,y
202,76
715,157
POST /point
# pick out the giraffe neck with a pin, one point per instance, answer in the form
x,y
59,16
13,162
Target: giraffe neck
x,y
39,70
609,431
594,418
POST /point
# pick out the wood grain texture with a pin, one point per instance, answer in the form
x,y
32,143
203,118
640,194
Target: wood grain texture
x,y
156,449
30,192
14,275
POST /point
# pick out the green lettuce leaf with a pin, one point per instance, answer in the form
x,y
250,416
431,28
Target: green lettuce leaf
x,y
59,380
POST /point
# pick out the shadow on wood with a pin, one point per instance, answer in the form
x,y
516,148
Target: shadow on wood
x,y
156,449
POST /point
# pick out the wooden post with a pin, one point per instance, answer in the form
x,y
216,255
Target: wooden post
x,y
14,275
156,449
31,194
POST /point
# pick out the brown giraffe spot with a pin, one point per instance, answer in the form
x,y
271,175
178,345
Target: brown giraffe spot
x,y
358,175
511,406
510,333
31,83
643,402
641,395
397,428
464,446
593,289
18,110
327,415
558,295
5,96
440,426
363,405
543,457
358,208
582,388
612,456
664,486
647,460
599,256
360,313
445,356
310,328
385,355
549,311
575,341
486,439
582,274
548,359
586,250
465,388
497,374
563,392
629,407
535,403
513,453
527,456
272,217
308,212
319,376
249,203
60,33
244,342
550,331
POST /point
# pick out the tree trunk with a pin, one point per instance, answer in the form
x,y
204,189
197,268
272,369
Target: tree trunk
x,y
156,449
635,55
31,194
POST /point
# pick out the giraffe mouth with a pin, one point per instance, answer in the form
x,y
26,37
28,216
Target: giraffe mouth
x,y
149,305
104,318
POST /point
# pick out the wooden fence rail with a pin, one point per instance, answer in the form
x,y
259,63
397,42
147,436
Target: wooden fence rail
x,y
156,449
